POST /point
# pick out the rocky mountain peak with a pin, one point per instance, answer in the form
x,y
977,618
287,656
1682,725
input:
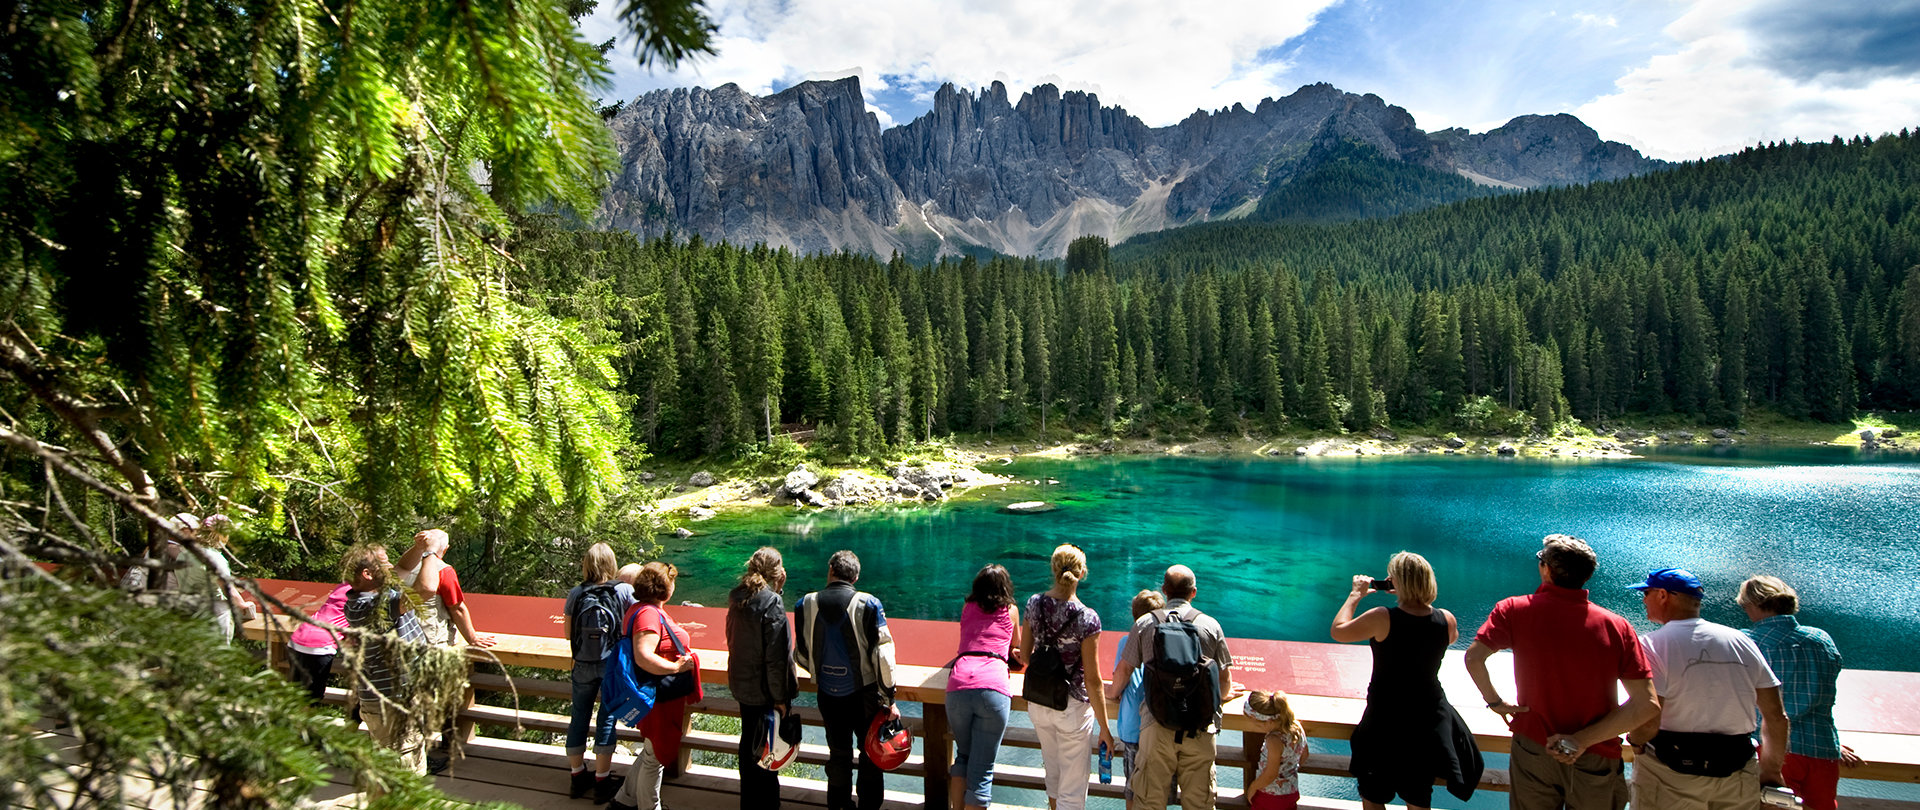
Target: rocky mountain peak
x,y
808,167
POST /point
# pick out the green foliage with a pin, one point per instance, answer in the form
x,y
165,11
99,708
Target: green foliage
x,y
1706,291
775,458
259,258
176,708
1352,180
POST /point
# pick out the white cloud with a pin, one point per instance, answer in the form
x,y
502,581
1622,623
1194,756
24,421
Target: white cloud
x,y
1678,79
1161,59
1714,95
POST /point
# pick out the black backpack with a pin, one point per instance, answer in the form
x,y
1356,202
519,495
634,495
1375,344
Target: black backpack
x,y
1045,683
596,623
1183,684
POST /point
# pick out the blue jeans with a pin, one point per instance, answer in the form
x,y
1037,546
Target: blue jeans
x,y
978,720
586,693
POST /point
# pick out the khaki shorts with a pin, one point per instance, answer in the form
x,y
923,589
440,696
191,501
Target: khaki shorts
x,y
1540,782
1658,787
1162,764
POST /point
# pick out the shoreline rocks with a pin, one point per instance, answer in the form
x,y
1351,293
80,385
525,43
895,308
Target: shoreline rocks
x,y
936,481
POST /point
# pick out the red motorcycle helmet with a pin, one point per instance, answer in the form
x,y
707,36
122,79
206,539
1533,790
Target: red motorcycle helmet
x,y
888,742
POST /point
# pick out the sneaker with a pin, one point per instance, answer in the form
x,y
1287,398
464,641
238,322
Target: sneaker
x,y
582,784
607,787
620,806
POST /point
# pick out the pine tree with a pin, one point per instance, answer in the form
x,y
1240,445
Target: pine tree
x,y
895,356
1359,383
1140,343
926,378
1790,390
1266,384
1908,353
1316,389
1733,350
1039,360
990,369
763,370
1179,356
1829,362
1693,344
255,245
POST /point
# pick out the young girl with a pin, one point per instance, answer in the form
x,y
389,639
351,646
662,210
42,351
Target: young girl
x,y
1277,787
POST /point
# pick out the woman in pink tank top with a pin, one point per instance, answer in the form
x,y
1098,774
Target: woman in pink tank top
x,y
978,701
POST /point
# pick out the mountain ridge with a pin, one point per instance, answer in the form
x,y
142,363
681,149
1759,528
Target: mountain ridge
x,y
809,167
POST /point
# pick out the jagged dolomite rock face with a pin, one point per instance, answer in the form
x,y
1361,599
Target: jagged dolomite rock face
x,y
809,168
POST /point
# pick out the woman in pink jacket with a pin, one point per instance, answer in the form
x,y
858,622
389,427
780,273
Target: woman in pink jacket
x,y
314,647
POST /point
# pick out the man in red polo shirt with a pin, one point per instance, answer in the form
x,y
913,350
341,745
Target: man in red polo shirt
x,y
1567,655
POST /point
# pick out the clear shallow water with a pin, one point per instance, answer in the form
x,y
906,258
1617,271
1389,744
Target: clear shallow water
x,y
1274,542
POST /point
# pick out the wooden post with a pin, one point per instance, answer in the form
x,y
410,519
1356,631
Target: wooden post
x,y
681,763
1250,742
936,750
277,656
464,728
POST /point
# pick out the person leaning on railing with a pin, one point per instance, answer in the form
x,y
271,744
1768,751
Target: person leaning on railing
x,y
443,613
1126,714
1808,664
1056,618
383,690
1698,753
205,592
593,610
979,699
759,668
844,641
1568,654
1169,754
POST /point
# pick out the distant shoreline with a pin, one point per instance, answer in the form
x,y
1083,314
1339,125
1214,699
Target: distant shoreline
x,y
973,462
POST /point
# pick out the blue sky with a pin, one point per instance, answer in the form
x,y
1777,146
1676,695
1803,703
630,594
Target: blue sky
x,y
1675,78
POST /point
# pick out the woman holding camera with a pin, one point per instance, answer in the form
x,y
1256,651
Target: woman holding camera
x,y
1409,734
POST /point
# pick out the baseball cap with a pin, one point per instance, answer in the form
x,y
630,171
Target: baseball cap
x,y
1677,580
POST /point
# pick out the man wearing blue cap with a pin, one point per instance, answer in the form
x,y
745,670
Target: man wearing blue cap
x,y
1698,754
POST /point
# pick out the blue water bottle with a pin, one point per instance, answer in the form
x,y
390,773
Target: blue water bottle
x,y
1106,765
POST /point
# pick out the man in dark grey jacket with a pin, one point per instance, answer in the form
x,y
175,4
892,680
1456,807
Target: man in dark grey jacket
x,y
759,668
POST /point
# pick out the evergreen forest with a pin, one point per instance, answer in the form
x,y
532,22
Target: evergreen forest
x,y
1779,278
319,267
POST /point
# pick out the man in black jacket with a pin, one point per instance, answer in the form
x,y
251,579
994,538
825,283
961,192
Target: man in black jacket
x,y
759,668
844,642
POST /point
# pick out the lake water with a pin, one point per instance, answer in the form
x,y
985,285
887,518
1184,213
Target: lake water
x,y
1275,542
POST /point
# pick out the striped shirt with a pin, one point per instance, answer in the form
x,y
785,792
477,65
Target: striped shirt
x,y
1808,665
362,613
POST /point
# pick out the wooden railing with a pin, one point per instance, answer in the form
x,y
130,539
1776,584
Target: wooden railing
x,y
1892,757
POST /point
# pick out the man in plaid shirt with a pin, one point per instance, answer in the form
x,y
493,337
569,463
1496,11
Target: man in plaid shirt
x,y
1808,665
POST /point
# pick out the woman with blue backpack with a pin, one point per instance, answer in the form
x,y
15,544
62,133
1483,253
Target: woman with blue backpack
x,y
661,648
594,609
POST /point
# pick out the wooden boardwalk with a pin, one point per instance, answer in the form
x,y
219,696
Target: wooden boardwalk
x,y
1881,718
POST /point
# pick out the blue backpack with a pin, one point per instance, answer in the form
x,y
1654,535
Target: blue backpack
x,y
629,693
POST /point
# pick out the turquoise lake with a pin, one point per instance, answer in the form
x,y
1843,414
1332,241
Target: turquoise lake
x,y
1275,541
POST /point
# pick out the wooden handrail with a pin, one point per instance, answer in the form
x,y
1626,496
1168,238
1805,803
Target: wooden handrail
x,y
1889,757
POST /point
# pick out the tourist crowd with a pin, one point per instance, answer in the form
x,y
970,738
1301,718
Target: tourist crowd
x,y
1695,692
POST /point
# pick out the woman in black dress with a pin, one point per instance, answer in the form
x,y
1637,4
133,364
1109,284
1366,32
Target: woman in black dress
x,y
1409,735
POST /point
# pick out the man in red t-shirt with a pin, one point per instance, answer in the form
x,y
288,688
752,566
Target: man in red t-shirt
x,y
1567,655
